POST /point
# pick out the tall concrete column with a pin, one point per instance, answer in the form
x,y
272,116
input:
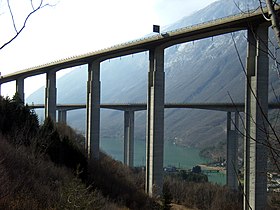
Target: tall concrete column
x,y
50,96
20,88
93,110
256,108
155,123
62,116
232,147
128,138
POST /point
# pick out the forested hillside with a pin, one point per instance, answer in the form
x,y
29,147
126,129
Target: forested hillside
x,y
44,167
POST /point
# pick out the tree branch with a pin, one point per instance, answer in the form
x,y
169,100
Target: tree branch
x,y
31,2
12,15
34,10
274,19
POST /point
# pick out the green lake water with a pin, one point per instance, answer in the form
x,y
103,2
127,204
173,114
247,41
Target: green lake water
x,y
174,155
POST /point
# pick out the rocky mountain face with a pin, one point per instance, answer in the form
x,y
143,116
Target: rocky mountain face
x,y
206,70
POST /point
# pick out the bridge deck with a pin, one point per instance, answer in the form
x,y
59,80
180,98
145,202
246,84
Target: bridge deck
x,y
196,32
142,106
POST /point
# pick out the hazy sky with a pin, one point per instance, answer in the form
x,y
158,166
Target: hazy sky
x,y
75,27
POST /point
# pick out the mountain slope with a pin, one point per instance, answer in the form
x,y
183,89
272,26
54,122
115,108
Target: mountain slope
x,y
207,70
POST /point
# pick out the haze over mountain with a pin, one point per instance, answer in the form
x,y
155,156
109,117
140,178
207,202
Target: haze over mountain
x,y
207,70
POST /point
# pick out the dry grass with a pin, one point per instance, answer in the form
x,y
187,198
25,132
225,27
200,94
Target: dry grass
x,y
203,195
120,183
27,181
179,207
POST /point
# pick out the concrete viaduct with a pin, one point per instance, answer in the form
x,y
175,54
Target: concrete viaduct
x,y
256,95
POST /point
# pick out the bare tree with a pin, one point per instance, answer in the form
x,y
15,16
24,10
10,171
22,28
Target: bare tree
x,y
34,8
273,17
271,139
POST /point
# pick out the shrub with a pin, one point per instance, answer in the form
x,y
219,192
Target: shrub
x,y
75,195
274,200
191,176
203,195
117,181
27,181
61,149
166,198
17,121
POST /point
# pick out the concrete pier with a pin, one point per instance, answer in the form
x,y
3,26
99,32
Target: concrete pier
x,y
50,95
155,123
129,138
62,116
232,149
256,106
20,88
93,110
